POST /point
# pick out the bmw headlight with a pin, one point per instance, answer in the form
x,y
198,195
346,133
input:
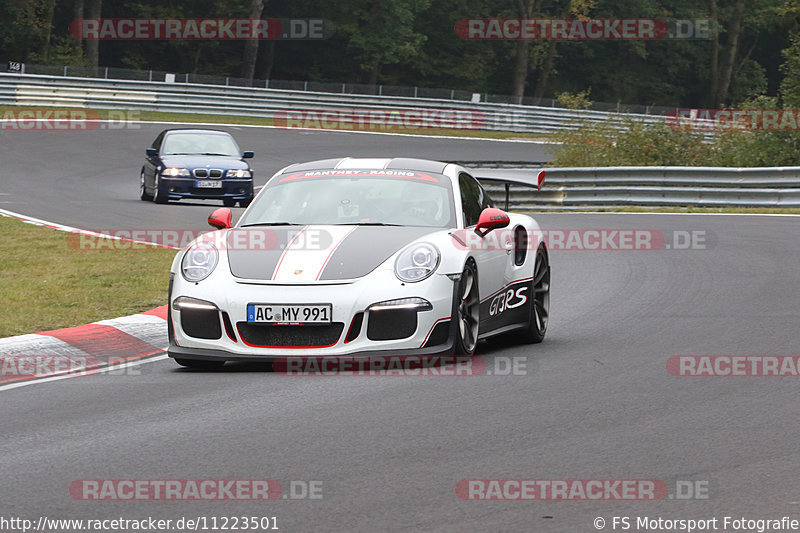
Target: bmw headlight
x,y
174,172
199,262
238,173
417,262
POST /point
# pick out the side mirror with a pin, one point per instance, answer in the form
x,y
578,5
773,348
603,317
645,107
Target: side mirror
x,y
491,219
151,152
248,155
221,218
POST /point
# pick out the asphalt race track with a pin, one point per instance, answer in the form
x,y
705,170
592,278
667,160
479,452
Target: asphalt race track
x,y
594,401
90,179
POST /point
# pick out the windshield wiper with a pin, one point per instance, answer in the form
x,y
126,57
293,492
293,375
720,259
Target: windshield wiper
x,y
210,153
270,224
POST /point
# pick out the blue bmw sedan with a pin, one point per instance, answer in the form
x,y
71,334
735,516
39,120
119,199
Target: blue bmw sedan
x,y
199,164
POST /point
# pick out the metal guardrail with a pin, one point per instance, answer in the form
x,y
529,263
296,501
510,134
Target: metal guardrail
x,y
566,188
570,188
58,91
116,73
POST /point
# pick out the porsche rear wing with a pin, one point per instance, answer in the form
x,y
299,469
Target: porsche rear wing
x,y
532,179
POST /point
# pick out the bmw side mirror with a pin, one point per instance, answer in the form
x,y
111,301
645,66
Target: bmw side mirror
x,y
221,218
151,152
491,219
248,155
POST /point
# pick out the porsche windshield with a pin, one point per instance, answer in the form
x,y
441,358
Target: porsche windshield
x,y
200,144
355,197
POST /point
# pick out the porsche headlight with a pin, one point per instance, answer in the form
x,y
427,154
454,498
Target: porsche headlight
x,y
238,173
199,262
417,262
173,172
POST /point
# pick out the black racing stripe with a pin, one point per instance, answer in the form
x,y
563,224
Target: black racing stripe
x,y
253,253
367,247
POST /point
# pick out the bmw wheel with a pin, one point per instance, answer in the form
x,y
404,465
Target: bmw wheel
x,y
142,189
468,311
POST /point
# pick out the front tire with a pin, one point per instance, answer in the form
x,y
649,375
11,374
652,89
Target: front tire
x,y
201,364
228,202
245,203
467,311
143,189
540,299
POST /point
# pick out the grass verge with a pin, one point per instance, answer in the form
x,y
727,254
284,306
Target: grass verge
x,y
48,284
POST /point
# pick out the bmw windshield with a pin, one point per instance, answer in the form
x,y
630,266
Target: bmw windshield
x,y
370,197
200,144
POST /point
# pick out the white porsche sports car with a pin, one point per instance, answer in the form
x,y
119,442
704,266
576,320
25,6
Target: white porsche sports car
x,y
359,257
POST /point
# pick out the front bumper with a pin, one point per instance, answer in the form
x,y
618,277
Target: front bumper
x,y
233,338
235,189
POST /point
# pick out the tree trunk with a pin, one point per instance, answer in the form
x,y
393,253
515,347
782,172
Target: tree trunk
x,y
77,14
374,72
729,53
93,45
269,60
251,45
714,58
544,72
48,29
525,9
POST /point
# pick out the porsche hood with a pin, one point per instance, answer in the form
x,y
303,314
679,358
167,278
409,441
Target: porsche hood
x,y
304,254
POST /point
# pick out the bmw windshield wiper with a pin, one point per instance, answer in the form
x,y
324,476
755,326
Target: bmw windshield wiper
x,y
270,224
211,153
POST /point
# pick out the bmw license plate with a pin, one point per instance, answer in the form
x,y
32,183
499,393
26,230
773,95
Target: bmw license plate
x,y
289,313
208,184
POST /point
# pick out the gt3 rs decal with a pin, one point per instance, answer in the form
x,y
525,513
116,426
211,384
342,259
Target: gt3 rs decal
x,y
509,299
510,305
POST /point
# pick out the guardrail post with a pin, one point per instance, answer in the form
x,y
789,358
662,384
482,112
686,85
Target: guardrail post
x,y
305,85
65,71
452,94
227,81
343,88
380,90
415,91
106,73
151,76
